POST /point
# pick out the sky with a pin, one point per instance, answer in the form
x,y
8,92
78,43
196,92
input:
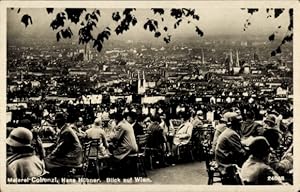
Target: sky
x,y
213,21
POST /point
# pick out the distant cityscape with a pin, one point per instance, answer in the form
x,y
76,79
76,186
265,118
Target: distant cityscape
x,y
198,71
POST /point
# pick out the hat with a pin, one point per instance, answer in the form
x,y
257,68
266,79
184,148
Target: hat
x,y
60,117
259,147
199,112
98,122
225,116
270,119
274,112
19,137
229,116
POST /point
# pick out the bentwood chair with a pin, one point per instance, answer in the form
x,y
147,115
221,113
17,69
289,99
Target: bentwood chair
x,y
139,157
206,137
214,175
92,156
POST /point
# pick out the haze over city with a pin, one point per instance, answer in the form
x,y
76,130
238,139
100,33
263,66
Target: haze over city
x,y
213,22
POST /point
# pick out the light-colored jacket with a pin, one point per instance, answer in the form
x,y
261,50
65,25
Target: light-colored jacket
x,y
254,171
183,134
25,165
124,139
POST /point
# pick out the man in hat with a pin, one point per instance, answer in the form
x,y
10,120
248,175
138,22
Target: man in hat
x,y
281,165
221,127
229,149
23,163
270,122
256,171
68,151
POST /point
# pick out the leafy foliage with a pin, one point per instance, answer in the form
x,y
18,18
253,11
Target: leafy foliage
x,y
252,11
64,33
74,14
116,16
128,19
59,21
157,34
88,22
151,25
158,11
199,32
49,10
167,39
105,34
26,19
177,23
176,13
272,37
276,12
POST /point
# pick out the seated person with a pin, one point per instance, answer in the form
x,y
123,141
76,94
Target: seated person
x,y
80,128
157,141
123,144
36,140
156,136
131,117
224,121
183,134
197,119
96,132
68,150
124,141
250,127
220,128
255,170
23,163
229,149
282,165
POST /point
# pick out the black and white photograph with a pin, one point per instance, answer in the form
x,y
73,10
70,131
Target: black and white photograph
x,y
149,96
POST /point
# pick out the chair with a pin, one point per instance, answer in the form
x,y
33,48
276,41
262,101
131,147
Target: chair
x,y
91,156
186,149
139,157
206,137
83,167
154,149
196,143
233,176
214,175
86,152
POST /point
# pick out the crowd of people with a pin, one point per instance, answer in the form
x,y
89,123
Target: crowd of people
x,y
253,136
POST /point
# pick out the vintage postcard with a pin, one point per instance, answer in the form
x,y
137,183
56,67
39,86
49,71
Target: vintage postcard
x,y
151,96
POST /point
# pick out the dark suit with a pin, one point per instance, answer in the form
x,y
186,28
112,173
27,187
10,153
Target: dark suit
x,y
138,129
68,151
229,149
